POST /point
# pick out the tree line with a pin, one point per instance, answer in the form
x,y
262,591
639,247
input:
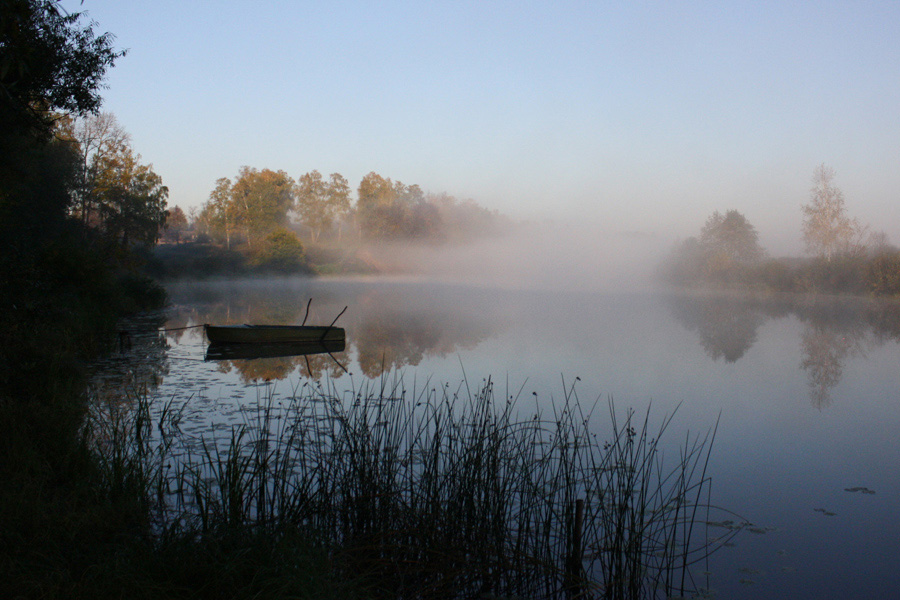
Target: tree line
x,y
73,192
257,202
844,255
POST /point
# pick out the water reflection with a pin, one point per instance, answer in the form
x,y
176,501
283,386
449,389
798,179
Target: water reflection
x,y
727,328
834,330
222,351
743,356
137,365
386,328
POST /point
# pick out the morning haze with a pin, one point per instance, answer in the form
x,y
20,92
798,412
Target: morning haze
x,y
449,300
642,118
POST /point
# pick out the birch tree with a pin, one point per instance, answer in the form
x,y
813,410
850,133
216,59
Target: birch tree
x,y
319,203
827,230
219,209
261,201
96,136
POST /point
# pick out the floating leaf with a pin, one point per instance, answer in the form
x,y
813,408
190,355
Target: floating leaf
x,y
864,490
760,530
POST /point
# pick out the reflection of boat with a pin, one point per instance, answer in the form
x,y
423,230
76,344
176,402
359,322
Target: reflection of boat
x,y
272,334
222,351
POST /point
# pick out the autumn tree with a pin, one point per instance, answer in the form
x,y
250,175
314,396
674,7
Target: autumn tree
x,y
130,197
375,196
176,224
94,136
827,230
219,211
464,219
261,200
256,203
730,239
319,204
392,210
51,63
726,246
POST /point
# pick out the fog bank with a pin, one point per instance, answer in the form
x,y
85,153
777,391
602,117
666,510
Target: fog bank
x,y
569,256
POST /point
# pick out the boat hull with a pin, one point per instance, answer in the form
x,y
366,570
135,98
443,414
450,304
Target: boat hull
x,y
222,351
272,334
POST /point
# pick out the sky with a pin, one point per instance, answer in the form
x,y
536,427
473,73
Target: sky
x,y
631,117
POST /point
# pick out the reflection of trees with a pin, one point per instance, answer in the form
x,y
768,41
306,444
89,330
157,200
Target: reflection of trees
x,y
727,328
389,336
884,318
824,352
138,364
834,330
312,366
322,365
833,333
259,368
384,345
176,323
387,328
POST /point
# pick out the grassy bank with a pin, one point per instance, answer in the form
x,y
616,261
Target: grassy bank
x,y
62,296
875,274
73,523
195,260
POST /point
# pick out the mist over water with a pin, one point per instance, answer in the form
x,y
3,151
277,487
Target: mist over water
x,y
804,387
562,256
805,392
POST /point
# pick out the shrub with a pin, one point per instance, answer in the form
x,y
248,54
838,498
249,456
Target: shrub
x,y
282,252
883,274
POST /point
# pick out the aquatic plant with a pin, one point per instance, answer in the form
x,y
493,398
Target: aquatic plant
x,y
437,491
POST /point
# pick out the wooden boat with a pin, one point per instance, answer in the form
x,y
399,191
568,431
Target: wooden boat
x,y
272,334
221,351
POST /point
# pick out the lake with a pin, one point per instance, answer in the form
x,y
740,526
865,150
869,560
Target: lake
x,y
806,394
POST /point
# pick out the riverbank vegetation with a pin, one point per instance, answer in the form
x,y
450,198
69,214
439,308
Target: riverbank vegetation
x,y
379,493
68,274
844,256
437,492
331,232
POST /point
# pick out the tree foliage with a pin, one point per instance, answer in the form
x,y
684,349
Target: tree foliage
x,y
728,245
132,199
114,192
261,200
390,210
176,225
218,214
320,204
256,203
281,252
49,61
827,230
730,239
95,136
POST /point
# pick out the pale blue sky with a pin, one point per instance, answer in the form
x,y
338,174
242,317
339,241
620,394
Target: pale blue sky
x,y
639,116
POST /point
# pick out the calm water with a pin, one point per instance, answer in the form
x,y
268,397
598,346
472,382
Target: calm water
x,y
807,395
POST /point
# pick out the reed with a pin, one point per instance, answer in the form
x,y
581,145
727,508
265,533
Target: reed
x,y
435,491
